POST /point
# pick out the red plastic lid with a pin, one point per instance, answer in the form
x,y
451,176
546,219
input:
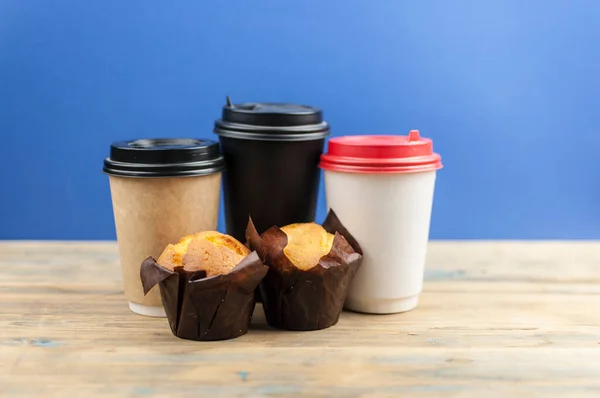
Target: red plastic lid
x,y
381,154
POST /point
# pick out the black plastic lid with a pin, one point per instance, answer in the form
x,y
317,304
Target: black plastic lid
x,y
164,157
271,121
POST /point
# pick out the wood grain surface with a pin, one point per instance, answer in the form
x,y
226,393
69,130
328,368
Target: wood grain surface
x,y
496,319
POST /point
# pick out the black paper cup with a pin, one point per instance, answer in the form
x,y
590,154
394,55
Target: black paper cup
x,y
272,153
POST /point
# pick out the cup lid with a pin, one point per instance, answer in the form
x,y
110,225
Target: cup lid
x,y
271,121
381,154
164,157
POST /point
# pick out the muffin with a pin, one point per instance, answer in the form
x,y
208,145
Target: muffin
x,y
207,282
310,270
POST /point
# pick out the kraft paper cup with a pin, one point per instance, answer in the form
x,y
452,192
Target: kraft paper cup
x,y
161,189
382,187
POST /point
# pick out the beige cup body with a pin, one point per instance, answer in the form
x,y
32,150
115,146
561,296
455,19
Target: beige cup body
x,y
153,212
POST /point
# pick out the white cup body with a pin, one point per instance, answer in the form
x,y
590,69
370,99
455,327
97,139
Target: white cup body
x,y
389,215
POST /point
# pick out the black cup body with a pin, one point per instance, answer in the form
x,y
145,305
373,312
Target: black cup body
x,y
274,182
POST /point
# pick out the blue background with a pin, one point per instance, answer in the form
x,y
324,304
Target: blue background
x,y
507,89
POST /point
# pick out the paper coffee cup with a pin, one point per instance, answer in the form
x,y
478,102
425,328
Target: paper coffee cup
x,y
272,152
161,189
382,187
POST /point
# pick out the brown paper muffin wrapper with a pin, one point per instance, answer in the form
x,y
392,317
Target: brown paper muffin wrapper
x,y
200,308
294,299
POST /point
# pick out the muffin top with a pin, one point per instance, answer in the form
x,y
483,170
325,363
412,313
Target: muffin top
x,y
307,243
209,251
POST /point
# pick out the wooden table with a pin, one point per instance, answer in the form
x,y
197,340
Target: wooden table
x,y
505,319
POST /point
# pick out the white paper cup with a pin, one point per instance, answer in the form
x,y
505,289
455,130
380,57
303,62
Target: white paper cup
x,y
386,205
